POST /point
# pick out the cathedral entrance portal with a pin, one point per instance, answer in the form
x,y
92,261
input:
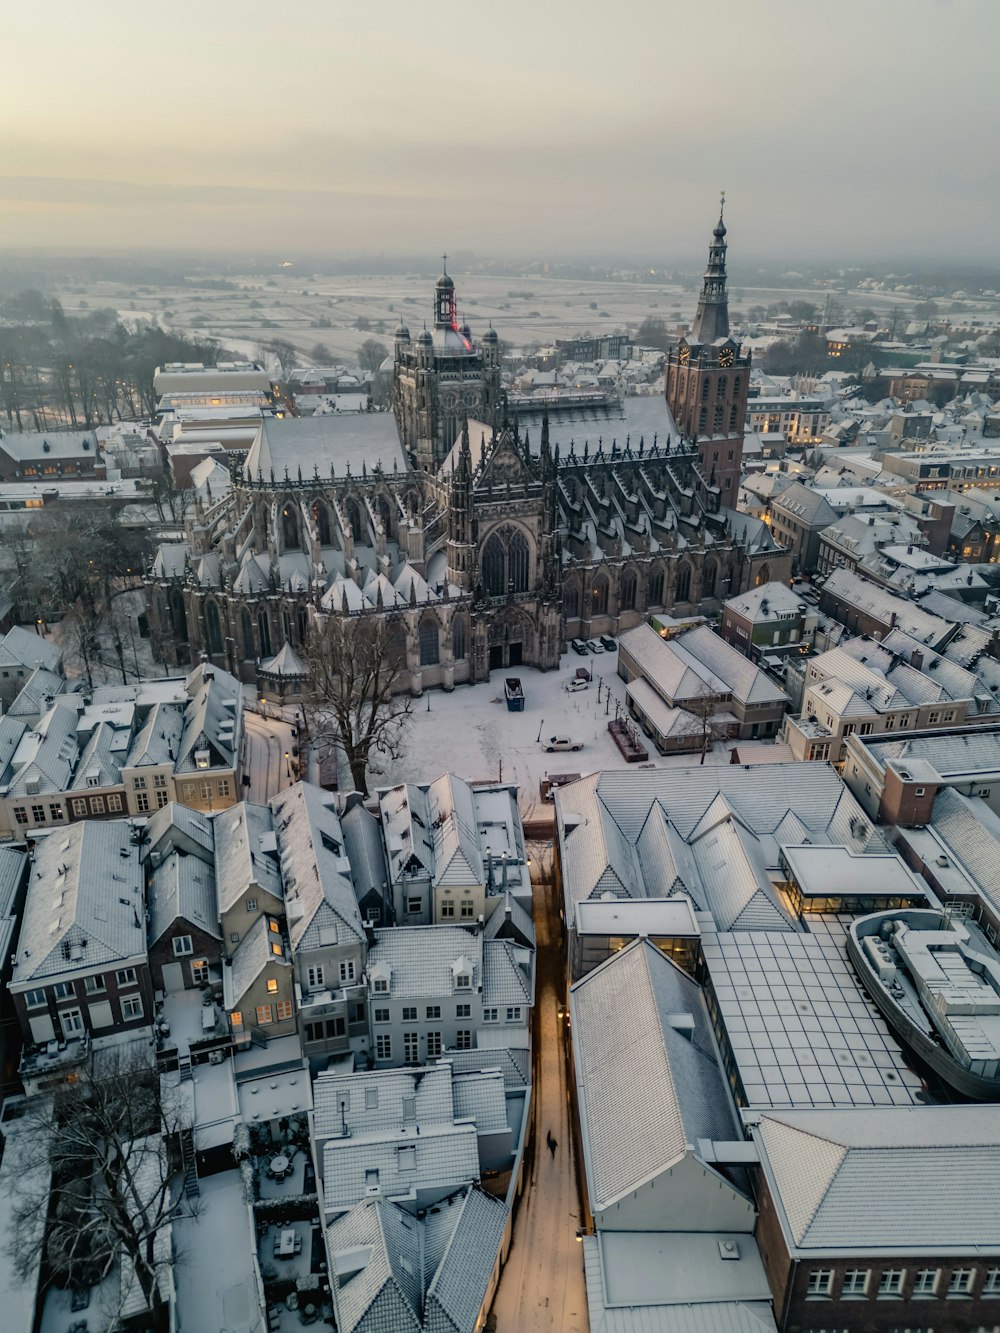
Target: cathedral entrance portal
x,y
496,656
511,637
515,655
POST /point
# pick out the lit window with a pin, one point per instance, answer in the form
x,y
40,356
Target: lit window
x,y
272,925
265,1015
272,986
236,1019
284,1010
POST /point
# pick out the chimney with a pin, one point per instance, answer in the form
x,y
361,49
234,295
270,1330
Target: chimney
x,y
916,659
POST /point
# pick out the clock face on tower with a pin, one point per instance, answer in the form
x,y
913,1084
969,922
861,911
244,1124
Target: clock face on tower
x,y
683,354
726,356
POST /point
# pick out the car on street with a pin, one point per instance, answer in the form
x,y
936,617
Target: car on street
x,y
580,647
574,684
609,644
552,743
595,645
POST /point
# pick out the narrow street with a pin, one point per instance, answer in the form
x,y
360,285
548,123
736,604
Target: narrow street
x,y
541,1288
267,743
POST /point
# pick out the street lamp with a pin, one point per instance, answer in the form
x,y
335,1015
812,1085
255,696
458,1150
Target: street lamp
x,y
288,767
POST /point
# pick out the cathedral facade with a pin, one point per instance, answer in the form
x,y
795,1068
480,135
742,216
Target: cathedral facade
x,y
487,548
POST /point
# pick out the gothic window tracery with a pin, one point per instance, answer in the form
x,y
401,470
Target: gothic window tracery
x,y
571,601
429,642
289,527
683,583
213,628
246,634
654,594
264,632
458,639
626,594
599,596
505,561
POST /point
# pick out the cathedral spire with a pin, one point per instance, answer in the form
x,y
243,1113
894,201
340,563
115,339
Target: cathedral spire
x,y
712,320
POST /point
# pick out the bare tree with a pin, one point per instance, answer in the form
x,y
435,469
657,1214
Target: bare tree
x,y
355,702
371,354
101,1160
705,706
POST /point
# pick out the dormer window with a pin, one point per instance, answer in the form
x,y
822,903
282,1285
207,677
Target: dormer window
x,y
380,985
201,758
462,981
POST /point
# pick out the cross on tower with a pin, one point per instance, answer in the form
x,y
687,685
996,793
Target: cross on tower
x,y
444,260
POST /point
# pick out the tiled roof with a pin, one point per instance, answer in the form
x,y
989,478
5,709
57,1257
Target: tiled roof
x,y
971,831
252,955
100,763
953,755
629,832
458,1288
768,599
37,693
440,1157
158,741
422,958
315,871
507,973
387,1088
85,885
510,920
20,647
886,607
375,1258
240,860
805,504
479,1095
647,1092
182,888
213,720
921,1178
514,1063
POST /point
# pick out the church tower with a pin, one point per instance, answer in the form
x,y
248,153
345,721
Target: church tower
x,y
707,377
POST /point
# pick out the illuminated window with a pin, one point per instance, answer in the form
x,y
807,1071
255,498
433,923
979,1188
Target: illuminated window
x,y
265,1015
284,1010
272,986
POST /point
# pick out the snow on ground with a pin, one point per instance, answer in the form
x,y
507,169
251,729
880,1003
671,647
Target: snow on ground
x,y
214,1261
470,732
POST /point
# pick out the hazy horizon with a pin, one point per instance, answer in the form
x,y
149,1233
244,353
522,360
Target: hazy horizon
x,y
840,133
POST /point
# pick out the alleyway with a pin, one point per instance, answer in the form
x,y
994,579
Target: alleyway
x,y
541,1288
267,743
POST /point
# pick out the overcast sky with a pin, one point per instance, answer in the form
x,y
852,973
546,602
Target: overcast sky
x,y
847,129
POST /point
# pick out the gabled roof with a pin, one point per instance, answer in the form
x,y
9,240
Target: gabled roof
x,y
38,693
100,764
315,871
158,740
648,1079
181,888
373,1102
507,973
19,647
422,958
213,720
242,834
458,1288
254,953
441,1157
805,505
85,901
921,1178
375,1259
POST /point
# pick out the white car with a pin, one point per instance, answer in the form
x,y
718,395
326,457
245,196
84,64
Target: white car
x,y
574,684
595,646
560,743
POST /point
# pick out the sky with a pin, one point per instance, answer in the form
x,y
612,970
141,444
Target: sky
x,y
841,129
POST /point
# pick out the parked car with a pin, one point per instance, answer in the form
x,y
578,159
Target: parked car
x,y
580,647
609,643
574,684
595,645
560,743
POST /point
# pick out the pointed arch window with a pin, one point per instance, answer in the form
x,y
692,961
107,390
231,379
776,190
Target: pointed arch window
x,y
430,653
324,529
506,561
458,637
246,634
571,601
352,512
264,631
708,580
764,576
289,527
654,593
599,596
302,623
213,628
626,594
683,583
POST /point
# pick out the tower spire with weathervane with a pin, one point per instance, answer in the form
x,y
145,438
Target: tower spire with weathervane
x,y
712,320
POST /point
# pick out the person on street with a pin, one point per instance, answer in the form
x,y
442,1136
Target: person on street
x,y
551,1142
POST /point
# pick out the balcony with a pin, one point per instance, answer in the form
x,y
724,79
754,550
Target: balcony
x,y
53,1063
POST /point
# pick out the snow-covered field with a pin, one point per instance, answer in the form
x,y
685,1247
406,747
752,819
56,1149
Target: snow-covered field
x,y
471,733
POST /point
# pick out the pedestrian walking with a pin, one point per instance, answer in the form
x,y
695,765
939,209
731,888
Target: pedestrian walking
x,y
551,1142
